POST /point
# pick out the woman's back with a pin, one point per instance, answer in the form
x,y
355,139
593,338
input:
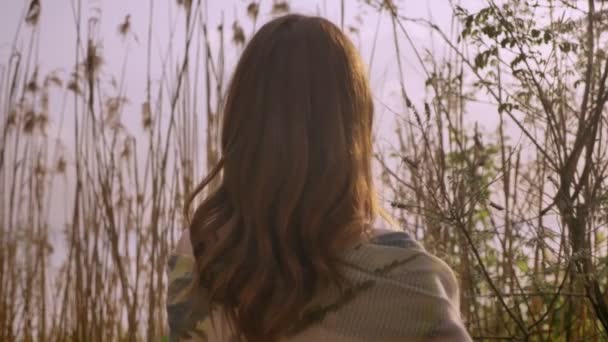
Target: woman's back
x,y
281,242
397,292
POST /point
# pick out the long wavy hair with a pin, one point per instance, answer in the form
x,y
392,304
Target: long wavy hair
x,y
294,183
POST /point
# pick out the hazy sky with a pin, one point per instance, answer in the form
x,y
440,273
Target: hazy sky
x,y
57,48
55,45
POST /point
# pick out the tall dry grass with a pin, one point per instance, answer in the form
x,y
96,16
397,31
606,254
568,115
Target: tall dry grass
x,y
99,273
90,206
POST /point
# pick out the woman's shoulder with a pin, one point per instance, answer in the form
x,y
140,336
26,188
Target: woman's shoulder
x,y
396,255
393,238
397,272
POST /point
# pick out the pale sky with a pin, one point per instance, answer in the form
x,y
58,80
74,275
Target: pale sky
x,y
56,49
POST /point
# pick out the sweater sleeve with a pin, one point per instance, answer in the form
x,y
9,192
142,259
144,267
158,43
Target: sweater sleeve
x,y
185,315
449,325
431,291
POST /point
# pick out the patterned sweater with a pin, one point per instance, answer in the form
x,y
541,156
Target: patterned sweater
x,y
399,292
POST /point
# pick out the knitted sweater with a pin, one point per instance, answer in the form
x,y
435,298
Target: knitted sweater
x,y
399,292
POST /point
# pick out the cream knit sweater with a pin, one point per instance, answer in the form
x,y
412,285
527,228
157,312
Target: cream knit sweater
x,y
399,292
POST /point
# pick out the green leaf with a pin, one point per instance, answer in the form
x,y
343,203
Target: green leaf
x,y
535,33
505,107
520,58
429,81
468,22
523,266
600,237
490,31
547,36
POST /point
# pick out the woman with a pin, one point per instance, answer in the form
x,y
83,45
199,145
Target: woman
x,y
283,248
